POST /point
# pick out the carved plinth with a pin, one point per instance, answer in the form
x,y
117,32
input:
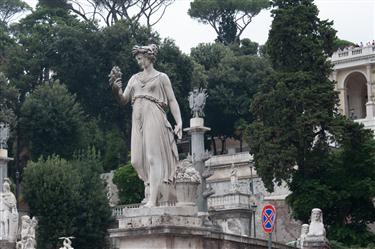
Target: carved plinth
x,y
316,242
186,193
7,245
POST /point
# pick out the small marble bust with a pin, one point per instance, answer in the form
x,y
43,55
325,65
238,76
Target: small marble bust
x,y
304,232
316,225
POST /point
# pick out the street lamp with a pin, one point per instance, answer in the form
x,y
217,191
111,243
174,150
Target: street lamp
x,y
251,176
253,208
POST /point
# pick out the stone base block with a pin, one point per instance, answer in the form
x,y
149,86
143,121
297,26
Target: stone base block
x,y
7,245
196,122
316,243
157,216
173,237
175,227
3,153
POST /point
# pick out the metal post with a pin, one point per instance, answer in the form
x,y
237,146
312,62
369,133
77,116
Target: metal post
x,y
253,207
255,234
270,241
251,179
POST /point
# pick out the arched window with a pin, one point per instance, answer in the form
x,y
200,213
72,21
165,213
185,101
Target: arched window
x,y
355,95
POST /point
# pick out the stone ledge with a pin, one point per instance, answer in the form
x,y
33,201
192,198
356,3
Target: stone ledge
x,y
168,237
167,230
176,210
159,220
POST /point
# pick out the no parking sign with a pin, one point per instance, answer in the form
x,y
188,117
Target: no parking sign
x,y
268,218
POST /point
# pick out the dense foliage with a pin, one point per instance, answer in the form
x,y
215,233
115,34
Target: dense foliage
x,y
69,199
232,78
298,136
131,188
51,116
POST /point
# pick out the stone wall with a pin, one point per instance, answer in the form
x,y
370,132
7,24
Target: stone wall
x,y
250,184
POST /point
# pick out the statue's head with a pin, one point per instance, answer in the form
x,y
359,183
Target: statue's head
x,y
34,222
6,185
304,229
145,55
316,215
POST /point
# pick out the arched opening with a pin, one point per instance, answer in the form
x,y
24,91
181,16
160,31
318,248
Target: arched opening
x,y
356,95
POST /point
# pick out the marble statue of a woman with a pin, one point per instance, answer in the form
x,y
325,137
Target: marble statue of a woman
x,y
153,148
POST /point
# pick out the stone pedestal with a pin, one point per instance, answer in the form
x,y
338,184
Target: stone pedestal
x,y
186,193
197,131
315,243
7,245
175,227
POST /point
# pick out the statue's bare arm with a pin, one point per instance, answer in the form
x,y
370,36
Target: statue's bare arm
x,y
122,96
173,105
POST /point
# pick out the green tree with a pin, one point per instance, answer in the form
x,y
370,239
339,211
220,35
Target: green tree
x,y
8,101
296,104
341,44
232,80
131,188
51,187
51,120
298,136
228,18
10,8
179,67
68,198
342,186
93,213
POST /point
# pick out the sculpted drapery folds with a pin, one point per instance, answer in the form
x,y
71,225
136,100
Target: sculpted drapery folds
x,y
153,148
8,214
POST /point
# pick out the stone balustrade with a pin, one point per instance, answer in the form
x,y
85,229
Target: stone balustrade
x,y
352,53
118,211
231,200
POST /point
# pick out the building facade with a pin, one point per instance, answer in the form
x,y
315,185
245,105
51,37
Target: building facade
x,y
354,73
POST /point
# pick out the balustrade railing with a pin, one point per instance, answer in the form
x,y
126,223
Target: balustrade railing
x,y
119,210
231,200
353,52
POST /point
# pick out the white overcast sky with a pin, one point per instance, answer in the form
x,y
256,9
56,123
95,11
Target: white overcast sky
x,y
353,19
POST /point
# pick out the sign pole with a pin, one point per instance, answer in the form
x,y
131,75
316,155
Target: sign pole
x,y
268,221
270,241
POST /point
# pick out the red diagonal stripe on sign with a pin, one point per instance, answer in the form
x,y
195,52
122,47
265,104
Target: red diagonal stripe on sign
x,y
268,218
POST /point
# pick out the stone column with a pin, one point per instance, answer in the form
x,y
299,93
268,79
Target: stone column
x,y
199,156
4,159
370,105
338,87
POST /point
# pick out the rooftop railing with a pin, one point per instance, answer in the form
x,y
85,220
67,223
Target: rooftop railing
x,y
353,53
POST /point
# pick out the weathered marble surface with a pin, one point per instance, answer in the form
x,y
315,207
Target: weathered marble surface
x,y
316,236
160,216
8,214
67,243
172,237
153,147
7,245
28,235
